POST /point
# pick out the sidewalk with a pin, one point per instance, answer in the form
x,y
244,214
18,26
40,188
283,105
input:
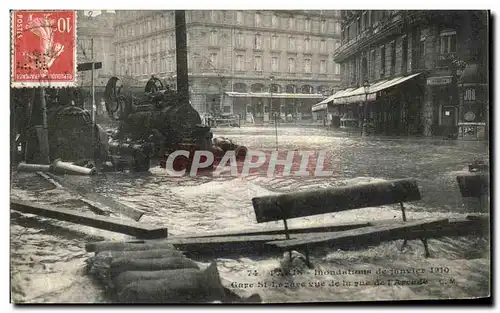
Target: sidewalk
x,y
287,124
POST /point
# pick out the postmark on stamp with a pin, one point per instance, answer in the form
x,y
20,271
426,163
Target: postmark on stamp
x,y
43,48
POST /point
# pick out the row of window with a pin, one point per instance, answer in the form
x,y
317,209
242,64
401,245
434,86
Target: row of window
x,y
364,21
146,25
157,45
166,19
147,46
369,69
291,65
290,22
277,88
145,68
293,43
167,64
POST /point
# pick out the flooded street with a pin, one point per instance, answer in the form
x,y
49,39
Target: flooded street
x,y
47,256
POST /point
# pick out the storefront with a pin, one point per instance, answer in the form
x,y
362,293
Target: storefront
x,y
473,106
389,106
328,111
260,106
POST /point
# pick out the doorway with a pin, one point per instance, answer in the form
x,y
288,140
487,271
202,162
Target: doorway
x,y
448,116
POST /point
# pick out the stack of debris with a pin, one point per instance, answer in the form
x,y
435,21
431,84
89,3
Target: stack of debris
x,y
156,273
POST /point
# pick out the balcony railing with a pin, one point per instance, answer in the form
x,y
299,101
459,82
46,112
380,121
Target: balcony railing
x,y
445,61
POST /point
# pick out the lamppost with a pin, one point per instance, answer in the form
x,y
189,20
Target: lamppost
x,y
271,93
366,86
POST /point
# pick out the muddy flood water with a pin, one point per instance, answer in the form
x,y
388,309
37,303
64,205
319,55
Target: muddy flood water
x,y
48,256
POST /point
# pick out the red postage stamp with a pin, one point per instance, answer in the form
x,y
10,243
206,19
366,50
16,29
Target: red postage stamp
x,y
43,49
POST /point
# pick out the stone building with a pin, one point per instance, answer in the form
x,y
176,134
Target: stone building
x,y
98,29
239,62
414,72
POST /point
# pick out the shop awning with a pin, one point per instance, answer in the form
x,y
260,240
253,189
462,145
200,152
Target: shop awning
x,y
358,94
323,104
274,95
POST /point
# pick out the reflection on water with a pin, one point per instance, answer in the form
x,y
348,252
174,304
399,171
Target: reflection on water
x,y
49,251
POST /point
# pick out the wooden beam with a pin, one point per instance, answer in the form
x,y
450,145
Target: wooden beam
x,y
306,203
365,235
102,222
115,206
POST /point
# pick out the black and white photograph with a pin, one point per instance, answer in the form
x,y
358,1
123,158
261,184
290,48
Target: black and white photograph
x,y
249,156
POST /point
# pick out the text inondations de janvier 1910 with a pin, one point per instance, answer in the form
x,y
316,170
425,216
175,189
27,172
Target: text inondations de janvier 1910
x,y
350,278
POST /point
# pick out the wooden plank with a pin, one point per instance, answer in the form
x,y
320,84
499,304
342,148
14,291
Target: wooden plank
x,y
50,180
115,206
306,203
372,234
280,230
456,228
96,207
108,223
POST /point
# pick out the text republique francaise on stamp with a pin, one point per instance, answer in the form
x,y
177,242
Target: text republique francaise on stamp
x,y
43,49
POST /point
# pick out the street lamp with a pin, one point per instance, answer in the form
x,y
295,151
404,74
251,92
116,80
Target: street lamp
x,y
366,86
271,93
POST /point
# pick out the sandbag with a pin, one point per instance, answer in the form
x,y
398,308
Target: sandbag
x,y
123,279
99,264
156,264
125,246
146,254
175,286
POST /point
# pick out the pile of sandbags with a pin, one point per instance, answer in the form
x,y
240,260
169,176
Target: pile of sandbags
x,y
156,273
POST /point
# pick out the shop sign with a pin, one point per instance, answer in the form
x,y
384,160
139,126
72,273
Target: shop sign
x,y
469,116
441,80
470,94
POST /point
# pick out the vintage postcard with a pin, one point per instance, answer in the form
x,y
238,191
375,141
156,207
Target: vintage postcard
x,y
249,156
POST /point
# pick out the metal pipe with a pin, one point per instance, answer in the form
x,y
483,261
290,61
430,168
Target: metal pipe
x,y
93,95
68,168
24,167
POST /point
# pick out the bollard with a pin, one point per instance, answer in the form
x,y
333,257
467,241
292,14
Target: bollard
x,y
68,168
24,167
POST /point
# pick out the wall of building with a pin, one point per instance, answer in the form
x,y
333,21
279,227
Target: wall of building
x,y
429,41
237,46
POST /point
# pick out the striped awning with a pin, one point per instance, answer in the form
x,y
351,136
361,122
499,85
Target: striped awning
x,y
358,94
323,104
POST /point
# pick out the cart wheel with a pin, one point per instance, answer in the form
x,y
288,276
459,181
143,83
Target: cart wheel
x,y
181,163
241,152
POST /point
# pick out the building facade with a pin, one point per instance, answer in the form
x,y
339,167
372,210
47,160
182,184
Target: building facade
x,y
95,35
250,63
414,72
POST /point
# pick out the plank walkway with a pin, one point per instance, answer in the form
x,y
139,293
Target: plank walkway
x,y
249,243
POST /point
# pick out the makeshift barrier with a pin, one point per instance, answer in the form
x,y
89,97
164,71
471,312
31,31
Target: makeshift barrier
x,y
156,273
